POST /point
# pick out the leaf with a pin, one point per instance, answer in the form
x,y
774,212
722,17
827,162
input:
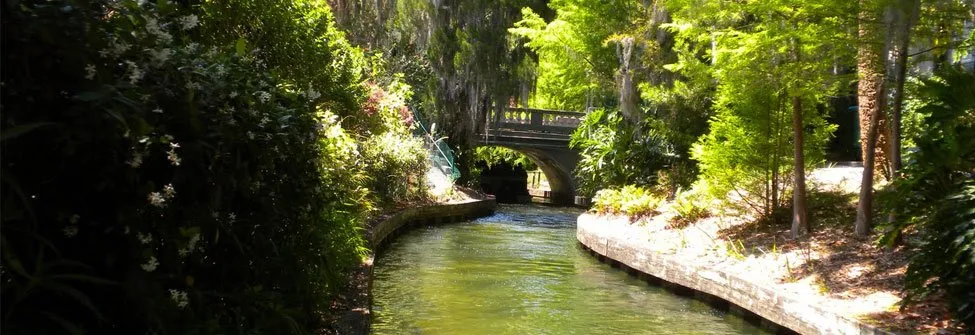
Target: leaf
x,y
84,278
68,326
241,47
75,294
90,96
15,131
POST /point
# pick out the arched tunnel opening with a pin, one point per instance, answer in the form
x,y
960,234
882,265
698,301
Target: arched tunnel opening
x,y
511,183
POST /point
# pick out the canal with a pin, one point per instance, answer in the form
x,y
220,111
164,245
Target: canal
x,y
521,271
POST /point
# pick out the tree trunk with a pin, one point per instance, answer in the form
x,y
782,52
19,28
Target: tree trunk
x,y
906,17
872,75
907,12
800,225
628,93
870,97
865,206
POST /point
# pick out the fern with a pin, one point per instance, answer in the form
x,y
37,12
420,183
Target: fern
x,y
937,195
947,258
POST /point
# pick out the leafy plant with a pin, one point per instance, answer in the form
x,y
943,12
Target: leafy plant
x,y
615,153
936,196
688,208
184,169
632,201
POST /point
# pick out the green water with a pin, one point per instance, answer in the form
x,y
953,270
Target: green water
x,y
521,271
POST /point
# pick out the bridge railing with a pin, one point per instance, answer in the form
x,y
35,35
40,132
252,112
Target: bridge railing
x,y
537,120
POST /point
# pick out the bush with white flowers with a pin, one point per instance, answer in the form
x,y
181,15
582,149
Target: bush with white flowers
x,y
186,168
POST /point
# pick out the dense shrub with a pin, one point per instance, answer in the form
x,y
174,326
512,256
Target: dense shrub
x,y
615,153
746,158
631,201
179,170
397,161
937,195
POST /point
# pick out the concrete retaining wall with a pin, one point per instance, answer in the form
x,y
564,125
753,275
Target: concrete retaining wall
x,y
608,238
434,214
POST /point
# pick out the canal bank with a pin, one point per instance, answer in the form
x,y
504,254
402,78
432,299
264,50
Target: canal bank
x,y
355,307
619,242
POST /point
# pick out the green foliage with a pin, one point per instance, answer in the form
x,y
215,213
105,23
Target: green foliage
x,y
688,207
498,155
396,160
184,170
936,196
297,40
575,66
767,57
614,153
631,201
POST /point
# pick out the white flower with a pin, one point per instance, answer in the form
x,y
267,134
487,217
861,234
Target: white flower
x,y
160,56
190,245
171,154
135,73
144,239
189,21
220,70
90,71
264,121
115,49
311,93
70,231
263,96
179,297
136,160
169,191
231,218
126,231
151,264
157,110
192,47
155,29
233,94
157,199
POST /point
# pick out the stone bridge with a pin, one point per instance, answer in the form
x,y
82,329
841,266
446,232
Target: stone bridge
x,y
542,135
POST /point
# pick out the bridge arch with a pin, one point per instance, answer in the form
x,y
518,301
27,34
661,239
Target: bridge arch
x,y
543,136
556,164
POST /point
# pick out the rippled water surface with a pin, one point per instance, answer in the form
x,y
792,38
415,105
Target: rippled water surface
x,y
521,271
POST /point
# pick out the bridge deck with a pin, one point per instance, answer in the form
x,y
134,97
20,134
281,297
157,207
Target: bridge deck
x,y
535,127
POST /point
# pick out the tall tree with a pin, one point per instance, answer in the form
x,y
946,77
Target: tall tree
x,y
800,223
772,61
871,99
905,16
